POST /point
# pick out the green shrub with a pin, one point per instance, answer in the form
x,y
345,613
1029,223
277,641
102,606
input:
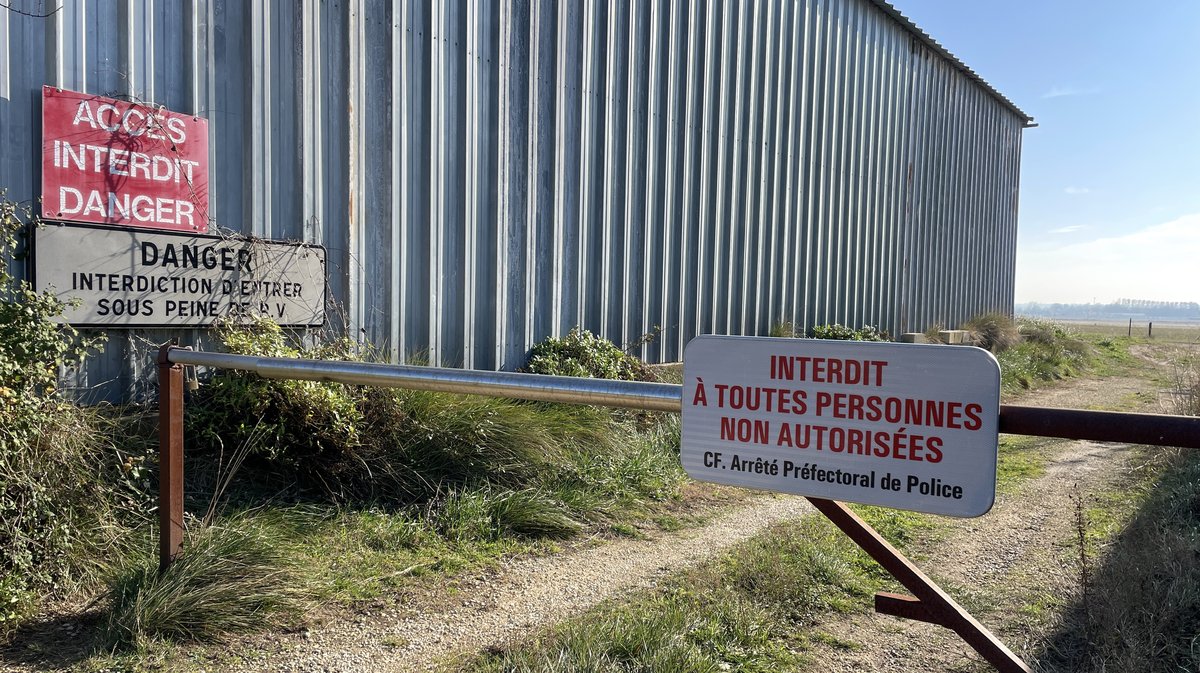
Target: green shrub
x,y
363,444
307,429
1047,352
584,354
993,331
839,332
59,481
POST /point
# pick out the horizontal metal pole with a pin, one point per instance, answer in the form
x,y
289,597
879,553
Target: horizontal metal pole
x,y
569,389
1102,426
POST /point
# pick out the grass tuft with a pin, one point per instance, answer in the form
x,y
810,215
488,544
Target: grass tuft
x,y
232,577
993,331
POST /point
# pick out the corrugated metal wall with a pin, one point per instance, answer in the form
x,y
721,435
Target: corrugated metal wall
x,y
486,174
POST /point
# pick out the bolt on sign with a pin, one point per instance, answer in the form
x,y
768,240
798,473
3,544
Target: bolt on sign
x,y
106,161
136,278
907,426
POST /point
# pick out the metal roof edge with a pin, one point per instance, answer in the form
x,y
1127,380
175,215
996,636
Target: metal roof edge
x,y
933,44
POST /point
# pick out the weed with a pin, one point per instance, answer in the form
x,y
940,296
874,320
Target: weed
x,y
1185,374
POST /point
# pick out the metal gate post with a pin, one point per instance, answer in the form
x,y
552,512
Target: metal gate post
x,y
931,603
170,458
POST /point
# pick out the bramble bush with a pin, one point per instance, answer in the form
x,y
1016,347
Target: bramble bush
x,y
58,481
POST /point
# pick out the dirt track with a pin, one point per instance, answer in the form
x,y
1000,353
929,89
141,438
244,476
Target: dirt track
x,y
998,564
992,564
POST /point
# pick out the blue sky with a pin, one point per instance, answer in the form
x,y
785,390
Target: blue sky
x,y
1110,178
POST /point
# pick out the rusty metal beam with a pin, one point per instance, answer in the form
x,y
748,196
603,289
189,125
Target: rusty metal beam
x,y
1102,426
170,458
931,603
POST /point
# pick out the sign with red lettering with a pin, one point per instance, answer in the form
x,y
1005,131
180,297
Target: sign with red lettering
x,y
908,426
107,161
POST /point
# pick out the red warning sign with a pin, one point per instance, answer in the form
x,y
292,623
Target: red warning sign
x,y
107,161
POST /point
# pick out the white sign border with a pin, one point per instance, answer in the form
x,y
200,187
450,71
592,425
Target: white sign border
x,y
695,439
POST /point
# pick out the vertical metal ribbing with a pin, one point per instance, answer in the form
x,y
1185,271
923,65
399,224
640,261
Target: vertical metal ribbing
x,y
885,181
802,215
779,239
471,185
756,121
790,64
721,247
874,160
195,36
356,215
824,47
793,152
647,222
612,138
55,52
857,280
589,101
734,286
750,155
565,101
768,184
260,126
398,278
504,178
673,220
634,173
706,187
643,169
690,232
533,239
312,159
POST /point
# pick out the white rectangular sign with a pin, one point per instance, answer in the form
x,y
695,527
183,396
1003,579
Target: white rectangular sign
x,y
138,278
908,426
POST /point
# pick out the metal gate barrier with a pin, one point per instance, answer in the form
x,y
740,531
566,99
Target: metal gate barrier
x,y
929,603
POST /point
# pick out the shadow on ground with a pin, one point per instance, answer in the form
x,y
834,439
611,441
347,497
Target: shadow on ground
x,y
1140,609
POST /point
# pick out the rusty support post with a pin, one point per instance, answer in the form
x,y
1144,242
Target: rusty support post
x,y
931,603
170,458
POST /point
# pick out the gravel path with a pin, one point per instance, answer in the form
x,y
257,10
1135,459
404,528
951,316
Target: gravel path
x,y
526,595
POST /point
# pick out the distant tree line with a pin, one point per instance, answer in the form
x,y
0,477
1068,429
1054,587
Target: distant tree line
x,y
1121,309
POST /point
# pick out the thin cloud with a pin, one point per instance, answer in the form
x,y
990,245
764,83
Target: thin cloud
x,y
1158,261
1068,229
1076,191
1061,91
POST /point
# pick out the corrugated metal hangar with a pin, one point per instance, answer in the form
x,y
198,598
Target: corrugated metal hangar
x,y
485,174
